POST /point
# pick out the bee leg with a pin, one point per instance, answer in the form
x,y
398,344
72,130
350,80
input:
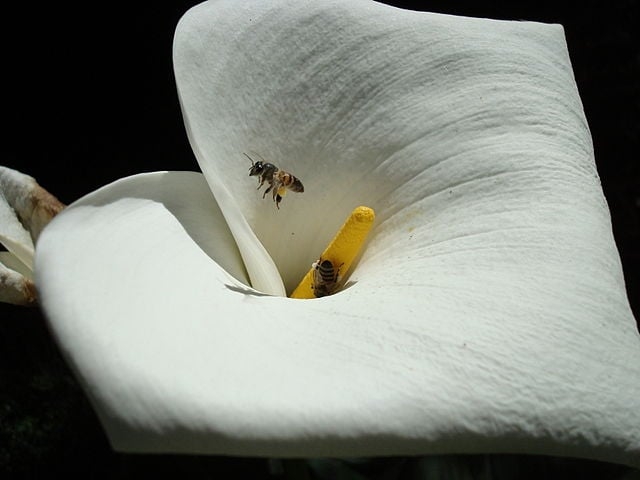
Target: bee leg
x,y
278,199
267,190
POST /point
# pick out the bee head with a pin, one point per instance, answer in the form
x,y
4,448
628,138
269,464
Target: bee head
x,y
256,168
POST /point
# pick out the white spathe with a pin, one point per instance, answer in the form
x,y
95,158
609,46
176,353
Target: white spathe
x,y
487,314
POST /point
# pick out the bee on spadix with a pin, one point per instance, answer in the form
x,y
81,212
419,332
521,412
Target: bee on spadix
x,y
325,278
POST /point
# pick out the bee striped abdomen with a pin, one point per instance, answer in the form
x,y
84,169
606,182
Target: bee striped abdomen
x,y
295,185
325,278
326,271
291,182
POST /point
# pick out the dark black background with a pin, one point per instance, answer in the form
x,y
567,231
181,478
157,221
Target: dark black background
x,y
89,97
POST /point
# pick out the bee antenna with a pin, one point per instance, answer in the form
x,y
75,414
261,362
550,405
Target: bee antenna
x,y
252,162
257,154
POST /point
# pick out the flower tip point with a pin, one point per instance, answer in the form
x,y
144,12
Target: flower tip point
x,y
364,215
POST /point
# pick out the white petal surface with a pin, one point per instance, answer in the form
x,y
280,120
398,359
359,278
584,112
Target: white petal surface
x,y
487,314
178,356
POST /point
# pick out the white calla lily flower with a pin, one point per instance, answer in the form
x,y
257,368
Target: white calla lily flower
x,y
25,209
487,312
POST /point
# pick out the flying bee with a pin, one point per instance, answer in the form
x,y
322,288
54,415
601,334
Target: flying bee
x,y
325,278
279,181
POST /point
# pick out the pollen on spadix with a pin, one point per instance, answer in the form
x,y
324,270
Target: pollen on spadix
x,y
342,250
